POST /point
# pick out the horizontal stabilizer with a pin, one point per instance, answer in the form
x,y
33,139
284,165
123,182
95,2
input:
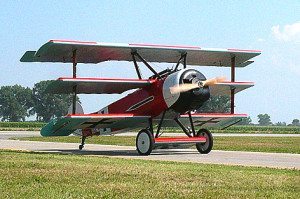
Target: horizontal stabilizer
x,y
66,85
96,52
225,88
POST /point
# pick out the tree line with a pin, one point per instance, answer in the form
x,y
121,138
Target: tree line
x,y
221,104
17,103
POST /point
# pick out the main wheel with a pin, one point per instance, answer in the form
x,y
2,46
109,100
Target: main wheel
x,y
144,142
206,147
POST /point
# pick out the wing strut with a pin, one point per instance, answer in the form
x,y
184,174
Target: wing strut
x,y
74,60
136,66
183,57
232,80
135,53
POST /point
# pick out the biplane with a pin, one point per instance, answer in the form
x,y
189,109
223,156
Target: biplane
x,y
166,99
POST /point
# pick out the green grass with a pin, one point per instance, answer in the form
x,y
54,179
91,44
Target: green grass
x,y
21,124
35,175
19,129
261,144
251,129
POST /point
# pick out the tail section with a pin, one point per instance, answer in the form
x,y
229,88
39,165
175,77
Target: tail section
x,y
63,126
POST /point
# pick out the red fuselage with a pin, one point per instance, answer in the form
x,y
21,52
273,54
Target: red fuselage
x,y
146,101
157,97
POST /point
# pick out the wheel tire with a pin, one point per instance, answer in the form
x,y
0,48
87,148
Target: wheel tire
x,y
205,148
144,142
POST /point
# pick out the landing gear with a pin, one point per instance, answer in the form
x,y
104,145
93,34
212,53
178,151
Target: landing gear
x,y
144,142
204,148
147,140
82,142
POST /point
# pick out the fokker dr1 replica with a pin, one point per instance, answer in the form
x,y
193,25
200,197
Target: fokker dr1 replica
x,y
166,99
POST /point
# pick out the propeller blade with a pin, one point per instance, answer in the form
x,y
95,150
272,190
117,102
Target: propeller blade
x,y
213,81
186,87
183,88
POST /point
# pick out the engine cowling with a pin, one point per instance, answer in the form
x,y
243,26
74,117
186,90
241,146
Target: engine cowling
x,y
189,100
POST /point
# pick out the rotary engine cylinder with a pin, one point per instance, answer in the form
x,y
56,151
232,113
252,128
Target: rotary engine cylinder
x,y
188,100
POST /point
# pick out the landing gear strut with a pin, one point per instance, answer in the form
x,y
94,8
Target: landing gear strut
x,y
82,142
146,140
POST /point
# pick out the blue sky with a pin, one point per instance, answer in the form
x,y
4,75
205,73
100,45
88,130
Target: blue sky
x,y
270,26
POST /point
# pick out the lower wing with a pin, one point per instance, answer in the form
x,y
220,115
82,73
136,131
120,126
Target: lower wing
x,y
106,122
219,120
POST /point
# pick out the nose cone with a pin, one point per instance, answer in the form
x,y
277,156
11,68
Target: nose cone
x,y
202,93
192,99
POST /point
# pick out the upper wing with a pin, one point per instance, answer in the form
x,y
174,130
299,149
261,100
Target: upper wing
x,y
225,88
95,52
68,124
95,85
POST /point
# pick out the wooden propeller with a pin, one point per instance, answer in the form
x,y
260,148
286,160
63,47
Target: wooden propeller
x,y
189,86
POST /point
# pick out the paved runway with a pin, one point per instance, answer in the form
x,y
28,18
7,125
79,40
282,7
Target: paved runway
x,y
4,135
274,160
10,134
223,134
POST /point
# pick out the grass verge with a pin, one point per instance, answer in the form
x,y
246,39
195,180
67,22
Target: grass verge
x,y
258,144
19,129
248,129
34,175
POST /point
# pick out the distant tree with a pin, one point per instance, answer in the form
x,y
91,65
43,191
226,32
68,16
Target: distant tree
x,y
295,122
264,119
245,121
280,124
46,106
216,104
15,103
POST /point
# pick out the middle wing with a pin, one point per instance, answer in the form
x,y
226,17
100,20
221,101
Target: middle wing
x,y
224,88
65,85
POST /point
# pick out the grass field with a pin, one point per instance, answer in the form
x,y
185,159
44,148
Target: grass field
x,y
251,129
34,175
21,126
261,144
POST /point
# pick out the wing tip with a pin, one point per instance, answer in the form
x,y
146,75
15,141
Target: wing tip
x,y
29,56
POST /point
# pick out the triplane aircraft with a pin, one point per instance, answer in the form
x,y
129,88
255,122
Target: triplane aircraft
x,y
166,99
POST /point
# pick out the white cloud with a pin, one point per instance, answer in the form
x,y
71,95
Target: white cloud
x,y
290,32
261,40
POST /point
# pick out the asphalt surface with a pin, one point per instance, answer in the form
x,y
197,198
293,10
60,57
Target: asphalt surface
x,y
5,135
274,160
10,134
